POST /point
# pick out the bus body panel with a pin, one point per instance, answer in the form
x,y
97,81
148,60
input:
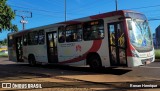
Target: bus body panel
x,y
12,54
39,52
75,53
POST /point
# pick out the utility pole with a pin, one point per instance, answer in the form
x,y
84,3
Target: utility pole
x,y
23,16
116,5
65,10
23,21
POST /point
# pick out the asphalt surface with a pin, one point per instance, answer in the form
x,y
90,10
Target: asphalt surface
x,y
66,78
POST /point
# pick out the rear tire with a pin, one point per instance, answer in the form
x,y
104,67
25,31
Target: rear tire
x,y
32,61
95,62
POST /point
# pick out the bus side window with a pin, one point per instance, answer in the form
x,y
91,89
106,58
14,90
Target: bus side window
x,y
33,38
61,34
69,35
74,33
93,30
41,37
101,30
25,39
29,38
86,33
79,32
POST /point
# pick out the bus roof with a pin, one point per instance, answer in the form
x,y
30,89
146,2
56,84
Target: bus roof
x,y
80,20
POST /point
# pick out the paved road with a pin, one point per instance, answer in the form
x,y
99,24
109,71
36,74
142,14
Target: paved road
x,y
53,77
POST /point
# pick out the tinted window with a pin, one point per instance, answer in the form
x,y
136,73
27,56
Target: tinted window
x,y
33,38
41,37
25,39
74,33
79,32
93,30
61,34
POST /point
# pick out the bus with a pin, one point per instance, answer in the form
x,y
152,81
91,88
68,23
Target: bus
x,y
112,39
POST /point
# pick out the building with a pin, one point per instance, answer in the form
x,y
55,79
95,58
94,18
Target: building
x,y
154,40
157,36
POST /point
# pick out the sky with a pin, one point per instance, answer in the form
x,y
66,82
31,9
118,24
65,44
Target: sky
x,y
46,12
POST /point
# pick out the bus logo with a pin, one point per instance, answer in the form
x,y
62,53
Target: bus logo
x,y
78,48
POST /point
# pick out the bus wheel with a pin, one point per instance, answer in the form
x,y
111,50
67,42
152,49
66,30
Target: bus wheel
x,y
31,60
95,62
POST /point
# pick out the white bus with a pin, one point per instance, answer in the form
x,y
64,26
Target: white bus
x,y
118,38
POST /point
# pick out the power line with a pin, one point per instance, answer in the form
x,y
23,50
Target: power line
x,y
87,6
147,7
58,12
153,19
34,9
55,3
49,13
23,21
42,10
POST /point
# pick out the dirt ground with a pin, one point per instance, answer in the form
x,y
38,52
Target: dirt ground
x,y
65,78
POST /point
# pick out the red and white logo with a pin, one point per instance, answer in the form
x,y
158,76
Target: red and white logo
x,y
78,48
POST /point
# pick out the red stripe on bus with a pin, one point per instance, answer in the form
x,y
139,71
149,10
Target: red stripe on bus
x,y
129,48
95,47
110,14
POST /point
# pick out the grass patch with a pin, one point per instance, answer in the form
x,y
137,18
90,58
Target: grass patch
x,y
3,55
157,54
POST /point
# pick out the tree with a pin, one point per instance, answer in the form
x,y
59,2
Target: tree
x,y
6,16
3,42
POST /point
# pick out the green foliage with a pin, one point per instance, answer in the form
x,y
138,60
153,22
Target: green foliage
x,y
6,16
3,55
157,54
3,42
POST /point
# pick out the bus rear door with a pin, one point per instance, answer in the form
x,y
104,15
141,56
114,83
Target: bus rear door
x,y
52,47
